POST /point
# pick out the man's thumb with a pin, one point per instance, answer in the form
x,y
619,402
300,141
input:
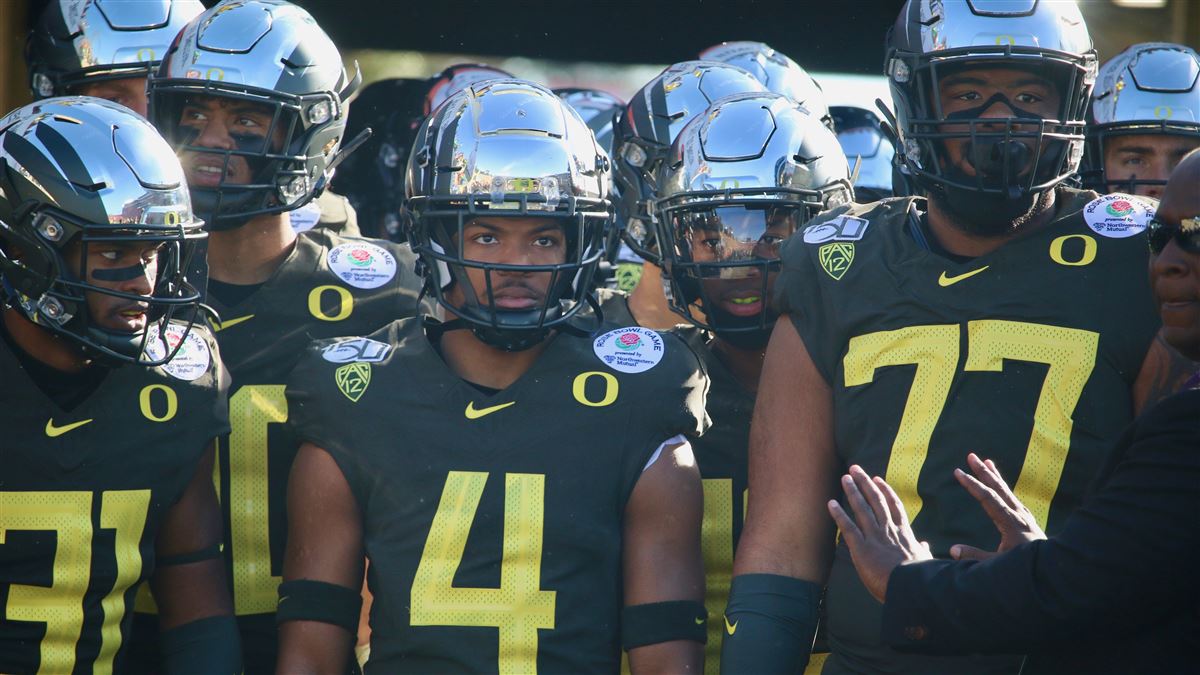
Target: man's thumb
x,y
964,552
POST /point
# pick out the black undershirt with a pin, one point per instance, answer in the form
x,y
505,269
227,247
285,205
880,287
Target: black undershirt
x,y
67,390
230,294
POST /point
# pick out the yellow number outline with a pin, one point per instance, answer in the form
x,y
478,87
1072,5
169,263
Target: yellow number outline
x,y
252,409
519,607
1070,354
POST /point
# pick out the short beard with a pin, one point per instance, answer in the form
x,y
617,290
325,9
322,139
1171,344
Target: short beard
x,y
989,215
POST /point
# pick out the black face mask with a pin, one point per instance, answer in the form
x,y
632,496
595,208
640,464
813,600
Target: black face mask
x,y
1001,161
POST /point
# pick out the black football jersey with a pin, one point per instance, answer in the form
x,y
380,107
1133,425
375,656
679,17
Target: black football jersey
x,y
330,211
721,455
1026,355
493,523
83,494
329,285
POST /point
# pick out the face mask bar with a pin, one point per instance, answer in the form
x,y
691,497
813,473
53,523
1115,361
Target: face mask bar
x,y
174,301
440,223
688,276
279,179
637,163
1095,177
1052,146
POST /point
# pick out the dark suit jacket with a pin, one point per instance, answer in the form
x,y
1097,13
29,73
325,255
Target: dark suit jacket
x,y
1117,591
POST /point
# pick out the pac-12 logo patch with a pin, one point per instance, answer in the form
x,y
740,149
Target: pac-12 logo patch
x,y
630,350
1118,215
842,228
362,264
836,259
352,380
356,350
192,359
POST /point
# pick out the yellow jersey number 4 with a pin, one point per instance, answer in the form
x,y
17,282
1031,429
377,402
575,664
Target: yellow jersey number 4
x,y
1070,354
519,607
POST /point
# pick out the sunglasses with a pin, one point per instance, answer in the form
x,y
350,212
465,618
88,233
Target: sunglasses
x,y
1186,234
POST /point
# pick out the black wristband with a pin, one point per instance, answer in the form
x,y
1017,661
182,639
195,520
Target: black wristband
x,y
209,553
657,622
770,623
310,600
210,646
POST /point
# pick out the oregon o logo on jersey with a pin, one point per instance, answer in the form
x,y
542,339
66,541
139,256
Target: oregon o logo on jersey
x,y
345,306
611,388
154,410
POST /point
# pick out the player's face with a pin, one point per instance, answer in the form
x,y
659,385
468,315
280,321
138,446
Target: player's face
x,y
224,124
1002,93
735,234
1175,271
129,92
512,241
127,267
1144,157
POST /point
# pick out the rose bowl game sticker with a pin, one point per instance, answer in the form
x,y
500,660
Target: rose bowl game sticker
x,y
1117,215
630,350
362,264
192,359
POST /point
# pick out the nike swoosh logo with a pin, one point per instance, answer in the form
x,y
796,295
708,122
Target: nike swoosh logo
x,y
945,281
54,432
730,628
473,414
222,325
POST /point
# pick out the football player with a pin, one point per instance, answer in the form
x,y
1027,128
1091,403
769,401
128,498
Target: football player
x,y
868,149
103,49
1006,314
779,166
776,71
473,461
1144,117
642,137
252,96
111,401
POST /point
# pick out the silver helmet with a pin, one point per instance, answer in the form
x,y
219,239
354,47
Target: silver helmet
x,y
740,179
454,79
868,149
272,55
81,170
776,71
1027,153
1150,88
597,108
650,122
79,41
497,149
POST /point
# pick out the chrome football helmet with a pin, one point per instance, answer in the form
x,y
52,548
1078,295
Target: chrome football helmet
x,y
80,41
740,179
81,170
1014,158
1150,88
649,123
776,71
868,149
454,79
270,54
507,149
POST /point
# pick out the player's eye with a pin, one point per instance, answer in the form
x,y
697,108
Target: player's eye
x,y
249,122
110,256
1133,160
1026,97
485,239
968,96
193,115
546,241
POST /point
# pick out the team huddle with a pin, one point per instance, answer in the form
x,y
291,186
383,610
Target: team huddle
x,y
590,351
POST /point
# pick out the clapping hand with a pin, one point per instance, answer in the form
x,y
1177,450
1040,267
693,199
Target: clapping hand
x,y
1015,522
879,535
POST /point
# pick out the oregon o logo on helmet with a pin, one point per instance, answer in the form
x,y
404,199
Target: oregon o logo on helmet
x,y
214,74
1163,112
145,54
171,218
1005,40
